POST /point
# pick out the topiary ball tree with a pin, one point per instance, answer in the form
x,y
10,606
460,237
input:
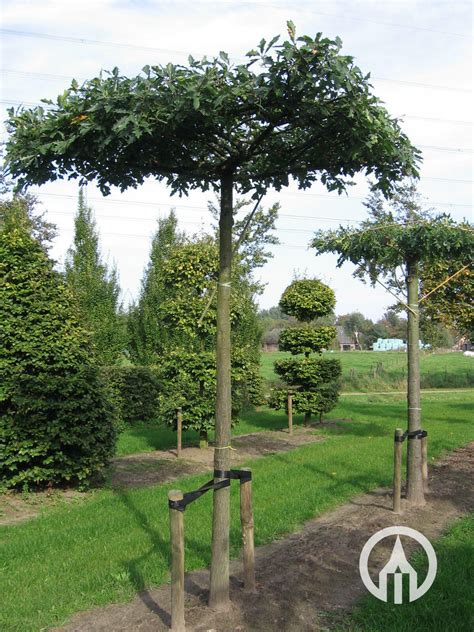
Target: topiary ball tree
x,y
313,381
57,424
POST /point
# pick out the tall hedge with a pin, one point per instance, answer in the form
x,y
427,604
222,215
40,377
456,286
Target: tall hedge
x,y
57,423
135,390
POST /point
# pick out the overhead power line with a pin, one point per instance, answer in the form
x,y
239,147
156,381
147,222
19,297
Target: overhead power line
x,y
78,40
83,40
205,208
148,219
149,237
344,16
414,84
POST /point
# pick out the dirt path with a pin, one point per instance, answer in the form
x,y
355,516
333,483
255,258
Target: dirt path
x,y
160,466
138,470
307,580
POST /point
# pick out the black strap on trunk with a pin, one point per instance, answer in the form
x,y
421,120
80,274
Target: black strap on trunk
x,y
190,497
414,434
242,475
224,475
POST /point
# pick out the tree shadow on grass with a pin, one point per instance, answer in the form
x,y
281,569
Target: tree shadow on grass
x,y
341,485
269,419
357,429
132,567
153,436
161,545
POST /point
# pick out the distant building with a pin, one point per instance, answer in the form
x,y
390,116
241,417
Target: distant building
x,y
465,344
270,340
344,341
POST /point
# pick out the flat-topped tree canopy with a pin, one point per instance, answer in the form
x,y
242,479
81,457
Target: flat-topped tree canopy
x,y
295,109
392,237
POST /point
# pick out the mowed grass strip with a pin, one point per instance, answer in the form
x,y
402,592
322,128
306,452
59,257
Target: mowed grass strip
x,y
448,606
149,436
146,437
108,547
386,370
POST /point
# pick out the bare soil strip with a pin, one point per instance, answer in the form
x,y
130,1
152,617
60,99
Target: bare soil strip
x,y
138,470
307,580
152,468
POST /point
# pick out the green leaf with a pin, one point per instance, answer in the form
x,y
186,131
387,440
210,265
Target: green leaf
x,y
291,30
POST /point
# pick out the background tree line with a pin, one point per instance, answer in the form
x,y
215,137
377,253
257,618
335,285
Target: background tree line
x,y
363,330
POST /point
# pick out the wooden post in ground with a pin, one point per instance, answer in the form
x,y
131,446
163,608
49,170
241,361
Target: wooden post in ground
x,y
246,520
290,413
177,564
424,462
179,416
397,470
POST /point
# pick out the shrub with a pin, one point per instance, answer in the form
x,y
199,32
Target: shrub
x,y
189,382
306,339
57,422
315,382
135,390
307,299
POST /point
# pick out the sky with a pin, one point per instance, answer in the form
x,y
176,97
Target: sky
x,y
419,55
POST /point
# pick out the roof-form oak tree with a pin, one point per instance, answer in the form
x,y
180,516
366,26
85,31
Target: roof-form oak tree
x,y
393,244
297,109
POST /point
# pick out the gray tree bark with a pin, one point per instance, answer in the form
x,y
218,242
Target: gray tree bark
x,y
219,589
415,494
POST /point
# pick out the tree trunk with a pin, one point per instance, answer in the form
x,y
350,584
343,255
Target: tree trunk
x,y
415,494
219,590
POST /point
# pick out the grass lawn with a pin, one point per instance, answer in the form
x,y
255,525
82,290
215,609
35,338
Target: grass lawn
x,y
386,370
448,606
149,436
106,548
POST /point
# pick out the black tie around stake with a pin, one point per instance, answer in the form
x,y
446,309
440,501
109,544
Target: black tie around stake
x,y
225,475
414,434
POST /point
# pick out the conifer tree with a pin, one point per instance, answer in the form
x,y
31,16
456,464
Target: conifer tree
x,y
148,338
57,423
95,287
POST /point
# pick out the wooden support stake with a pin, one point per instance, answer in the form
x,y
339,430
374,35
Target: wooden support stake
x,y
397,471
424,462
179,416
177,564
246,520
290,413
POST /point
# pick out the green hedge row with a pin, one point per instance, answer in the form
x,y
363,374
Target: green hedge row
x,y
135,391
